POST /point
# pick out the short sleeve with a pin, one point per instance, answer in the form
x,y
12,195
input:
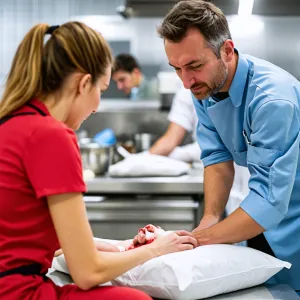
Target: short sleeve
x,y
272,160
182,111
52,161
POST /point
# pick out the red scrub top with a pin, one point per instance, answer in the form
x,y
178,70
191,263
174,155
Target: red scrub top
x,y
39,156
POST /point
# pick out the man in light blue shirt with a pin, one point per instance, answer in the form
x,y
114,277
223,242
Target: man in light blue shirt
x,y
248,112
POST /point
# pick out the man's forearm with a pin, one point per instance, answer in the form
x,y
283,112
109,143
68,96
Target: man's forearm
x,y
162,147
171,139
218,181
237,227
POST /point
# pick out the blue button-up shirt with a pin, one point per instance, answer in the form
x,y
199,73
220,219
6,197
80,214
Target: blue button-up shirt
x,y
258,126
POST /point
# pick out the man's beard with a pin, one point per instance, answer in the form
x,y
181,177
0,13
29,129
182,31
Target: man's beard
x,y
218,83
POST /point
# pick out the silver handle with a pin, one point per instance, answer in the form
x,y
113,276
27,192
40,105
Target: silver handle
x,y
143,206
151,217
123,152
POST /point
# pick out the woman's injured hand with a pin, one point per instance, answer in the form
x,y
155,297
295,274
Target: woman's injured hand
x,y
147,235
150,233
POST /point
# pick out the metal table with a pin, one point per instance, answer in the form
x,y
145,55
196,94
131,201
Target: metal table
x,y
272,292
190,184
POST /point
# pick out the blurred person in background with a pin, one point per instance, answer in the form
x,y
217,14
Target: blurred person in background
x,y
128,76
183,120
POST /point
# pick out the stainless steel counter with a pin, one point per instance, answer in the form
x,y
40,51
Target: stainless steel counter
x,y
126,204
274,292
190,184
127,105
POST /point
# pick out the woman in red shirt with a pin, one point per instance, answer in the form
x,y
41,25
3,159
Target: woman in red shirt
x,y
50,90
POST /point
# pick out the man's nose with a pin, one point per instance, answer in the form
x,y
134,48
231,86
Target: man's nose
x,y
120,85
187,79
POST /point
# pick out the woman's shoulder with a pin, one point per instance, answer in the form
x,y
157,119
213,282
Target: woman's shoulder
x,y
46,127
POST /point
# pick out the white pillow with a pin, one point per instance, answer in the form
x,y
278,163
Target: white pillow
x,y
200,273
203,272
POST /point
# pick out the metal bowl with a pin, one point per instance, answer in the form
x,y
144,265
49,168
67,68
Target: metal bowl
x,y
96,158
144,141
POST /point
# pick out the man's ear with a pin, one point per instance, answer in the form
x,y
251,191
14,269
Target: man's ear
x,y
228,50
136,71
84,84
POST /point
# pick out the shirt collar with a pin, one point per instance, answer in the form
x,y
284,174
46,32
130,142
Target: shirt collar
x,y
236,90
40,105
134,90
143,83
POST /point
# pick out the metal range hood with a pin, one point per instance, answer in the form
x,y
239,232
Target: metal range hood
x,y
145,8
159,8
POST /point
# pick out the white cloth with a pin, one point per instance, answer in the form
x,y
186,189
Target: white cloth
x,y
188,153
145,164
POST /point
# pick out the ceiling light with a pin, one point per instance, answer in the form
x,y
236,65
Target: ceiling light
x,y
245,27
245,7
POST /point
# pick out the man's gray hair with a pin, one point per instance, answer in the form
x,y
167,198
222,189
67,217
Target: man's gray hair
x,y
204,16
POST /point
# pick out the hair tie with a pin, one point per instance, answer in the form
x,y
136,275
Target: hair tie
x,y
51,29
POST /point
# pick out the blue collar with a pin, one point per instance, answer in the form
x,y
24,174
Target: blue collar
x,y
236,90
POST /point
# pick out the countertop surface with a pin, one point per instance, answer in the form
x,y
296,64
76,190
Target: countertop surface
x,y
128,105
189,184
273,292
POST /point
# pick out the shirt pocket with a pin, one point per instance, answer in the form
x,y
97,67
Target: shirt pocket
x,y
240,148
260,162
262,156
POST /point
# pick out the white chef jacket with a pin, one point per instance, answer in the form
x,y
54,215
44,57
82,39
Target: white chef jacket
x,y
183,113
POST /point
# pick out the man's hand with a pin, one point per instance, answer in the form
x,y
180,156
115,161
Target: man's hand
x,y
206,222
237,227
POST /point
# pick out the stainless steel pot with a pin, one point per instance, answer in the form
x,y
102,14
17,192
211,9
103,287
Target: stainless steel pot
x,y
96,158
144,141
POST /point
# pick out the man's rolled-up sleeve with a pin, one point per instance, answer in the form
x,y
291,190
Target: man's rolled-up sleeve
x,y
212,147
272,160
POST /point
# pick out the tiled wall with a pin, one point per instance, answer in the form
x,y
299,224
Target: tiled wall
x,y
278,41
18,16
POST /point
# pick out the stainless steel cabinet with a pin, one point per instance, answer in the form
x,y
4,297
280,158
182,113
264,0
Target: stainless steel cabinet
x,y
120,218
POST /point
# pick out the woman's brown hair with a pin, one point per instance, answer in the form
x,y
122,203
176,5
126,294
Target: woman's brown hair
x,y
40,68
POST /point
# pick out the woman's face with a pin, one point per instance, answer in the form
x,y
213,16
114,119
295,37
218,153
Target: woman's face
x,y
88,99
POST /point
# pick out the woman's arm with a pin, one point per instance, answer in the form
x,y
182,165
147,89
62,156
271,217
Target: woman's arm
x,y
89,267
100,246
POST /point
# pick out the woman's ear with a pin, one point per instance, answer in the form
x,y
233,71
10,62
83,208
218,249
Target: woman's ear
x,y
85,84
